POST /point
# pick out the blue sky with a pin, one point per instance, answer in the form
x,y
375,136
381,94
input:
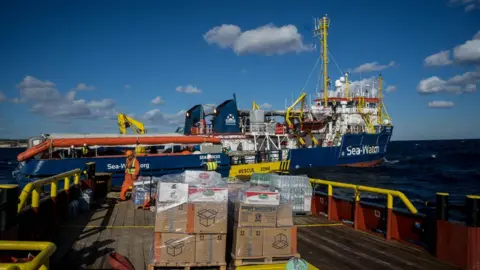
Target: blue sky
x,y
70,66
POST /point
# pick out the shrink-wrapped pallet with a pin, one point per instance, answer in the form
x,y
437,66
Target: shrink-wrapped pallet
x,y
262,222
191,215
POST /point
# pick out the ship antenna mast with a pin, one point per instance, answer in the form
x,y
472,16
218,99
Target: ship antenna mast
x,y
321,30
380,98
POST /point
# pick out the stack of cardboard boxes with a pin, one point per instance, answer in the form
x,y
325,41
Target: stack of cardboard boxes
x,y
191,220
261,226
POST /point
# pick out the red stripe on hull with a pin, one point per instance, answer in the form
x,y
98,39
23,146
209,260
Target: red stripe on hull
x,y
363,164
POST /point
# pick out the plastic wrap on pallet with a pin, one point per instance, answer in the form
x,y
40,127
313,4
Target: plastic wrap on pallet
x,y
194,178
191,208
143,188
172,249
248,242
263,179
262,195
295,190
235,187
85,200
204,179
171,194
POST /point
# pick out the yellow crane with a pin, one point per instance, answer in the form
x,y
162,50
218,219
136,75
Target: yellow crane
x,y
125,121
291,116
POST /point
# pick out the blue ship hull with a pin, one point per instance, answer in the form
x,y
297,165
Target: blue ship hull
x,y
360,150
363,150
149,166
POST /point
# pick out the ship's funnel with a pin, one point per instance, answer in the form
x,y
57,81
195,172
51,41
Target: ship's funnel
x,y
225,119
192,117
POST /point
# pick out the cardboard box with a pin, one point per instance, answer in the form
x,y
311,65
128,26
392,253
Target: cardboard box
x,y
173,192
174,248
209,218
219,195
284,215
210,248
247,215
261,197
202,178
173,220
248,242
280,241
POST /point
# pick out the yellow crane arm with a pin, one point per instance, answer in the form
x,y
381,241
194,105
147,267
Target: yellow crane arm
x,y
255,106
125,122
289,110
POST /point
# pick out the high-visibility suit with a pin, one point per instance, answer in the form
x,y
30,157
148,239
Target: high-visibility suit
x,y
131,174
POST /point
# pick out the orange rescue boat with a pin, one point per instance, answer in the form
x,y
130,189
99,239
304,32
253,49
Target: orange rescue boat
x,y
78,142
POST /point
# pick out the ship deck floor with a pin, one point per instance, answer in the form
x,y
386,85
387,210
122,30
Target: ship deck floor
x,y
85,242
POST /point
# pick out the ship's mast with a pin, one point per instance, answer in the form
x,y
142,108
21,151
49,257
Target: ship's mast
x,y
321,30
380,99
346,86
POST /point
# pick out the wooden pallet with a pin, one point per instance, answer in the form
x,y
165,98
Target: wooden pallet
x,y
237,261
190,266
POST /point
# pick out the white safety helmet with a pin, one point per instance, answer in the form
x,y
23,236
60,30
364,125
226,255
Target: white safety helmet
x,y
71,146
84,144
209,156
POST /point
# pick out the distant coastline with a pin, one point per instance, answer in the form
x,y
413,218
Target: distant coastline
x,y
7,143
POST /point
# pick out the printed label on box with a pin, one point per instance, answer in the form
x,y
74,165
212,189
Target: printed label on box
x,y
207,194
262,197
176,192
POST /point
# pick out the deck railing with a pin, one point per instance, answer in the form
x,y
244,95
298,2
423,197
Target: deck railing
x,y
35,188
357,188
357,208
41,260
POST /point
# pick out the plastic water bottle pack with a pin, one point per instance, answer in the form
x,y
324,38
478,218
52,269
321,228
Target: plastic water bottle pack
x,y
295,190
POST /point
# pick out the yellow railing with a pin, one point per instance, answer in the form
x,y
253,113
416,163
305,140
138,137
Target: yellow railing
x,y
357,189
41,261
35,188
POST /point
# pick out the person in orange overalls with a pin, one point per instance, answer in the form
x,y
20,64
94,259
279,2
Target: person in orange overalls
x,y
132,170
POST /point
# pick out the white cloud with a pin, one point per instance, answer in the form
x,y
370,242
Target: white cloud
x,y
46,100
189,89
367,86
469,5
267,40
127,86
83,87
466,53
457,84
208,108
265,106
34,89
439,59
158,100
101,104
18,100
155,118
440,104
2,97
476,36
391,88
373,66
224,36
